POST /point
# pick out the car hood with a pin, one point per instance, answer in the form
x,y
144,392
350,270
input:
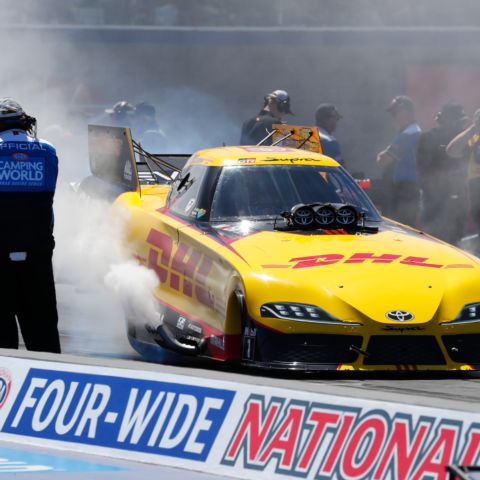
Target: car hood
x,y
374,273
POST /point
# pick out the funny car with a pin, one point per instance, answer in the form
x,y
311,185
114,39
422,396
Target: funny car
x,y
273,257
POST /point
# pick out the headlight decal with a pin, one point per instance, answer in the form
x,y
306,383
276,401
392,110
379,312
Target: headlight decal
x,y
469,313
301,312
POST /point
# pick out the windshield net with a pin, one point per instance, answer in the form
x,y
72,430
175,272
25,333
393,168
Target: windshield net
x,y
265,191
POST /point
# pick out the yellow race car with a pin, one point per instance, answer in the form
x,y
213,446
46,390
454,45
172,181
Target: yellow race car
x,y
274,257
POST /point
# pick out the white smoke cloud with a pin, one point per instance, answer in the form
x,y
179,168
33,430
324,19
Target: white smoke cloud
x,y
98,284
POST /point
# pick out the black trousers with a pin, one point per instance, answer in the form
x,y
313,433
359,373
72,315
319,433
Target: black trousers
x,y
27,292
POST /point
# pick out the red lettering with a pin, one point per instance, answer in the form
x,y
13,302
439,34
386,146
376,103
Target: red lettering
x,y
253,430
316,260
439,454
376,429
200,290
340,440
320,420
472,449
419,262
361,257
401,450
187,267
164,243
285,438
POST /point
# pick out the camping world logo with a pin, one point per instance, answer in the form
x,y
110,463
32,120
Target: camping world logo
x,y
5,384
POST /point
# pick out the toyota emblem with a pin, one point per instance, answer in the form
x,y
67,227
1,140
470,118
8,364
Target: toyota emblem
x,y
400,315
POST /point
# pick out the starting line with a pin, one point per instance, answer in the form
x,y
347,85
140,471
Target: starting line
x,y
219,423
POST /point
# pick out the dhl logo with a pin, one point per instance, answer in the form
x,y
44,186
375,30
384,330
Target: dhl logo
x,y
356,258
181,267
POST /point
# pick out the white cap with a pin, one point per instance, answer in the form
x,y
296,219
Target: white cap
x,y
9,108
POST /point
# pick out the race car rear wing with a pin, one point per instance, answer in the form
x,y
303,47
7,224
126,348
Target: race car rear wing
x,y
303,137
117,159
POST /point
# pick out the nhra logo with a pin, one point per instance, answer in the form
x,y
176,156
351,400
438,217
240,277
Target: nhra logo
x,y
20,157
322,441
5,384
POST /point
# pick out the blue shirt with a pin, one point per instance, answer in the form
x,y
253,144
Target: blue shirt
x,y
330,146
27,164
404,151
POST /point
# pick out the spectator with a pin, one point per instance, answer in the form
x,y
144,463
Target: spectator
x,y
120,115
275,106
440,179
145,129
467,144
28,176
399,160
326,118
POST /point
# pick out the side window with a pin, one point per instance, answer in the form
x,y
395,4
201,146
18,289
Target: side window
x,y
185,189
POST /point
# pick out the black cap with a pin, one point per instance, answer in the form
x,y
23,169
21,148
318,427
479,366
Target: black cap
x,y
282,99
451,113
326,110
145,108
401,102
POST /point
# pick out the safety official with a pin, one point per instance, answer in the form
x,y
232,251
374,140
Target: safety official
x,y
28,176
275,106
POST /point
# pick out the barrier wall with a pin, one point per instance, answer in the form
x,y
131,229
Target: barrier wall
x,y
228,428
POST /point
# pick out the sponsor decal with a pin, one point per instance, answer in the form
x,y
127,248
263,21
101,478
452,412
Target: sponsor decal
x,y
320,441
246,160
357,258
16,174
201,212
155,417
5,385
181,267
20,157
400,315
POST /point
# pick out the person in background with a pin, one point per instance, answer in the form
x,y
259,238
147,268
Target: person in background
x,y
28,176
120,115
399,159
326,119
145,129
442,181
467,144
275,106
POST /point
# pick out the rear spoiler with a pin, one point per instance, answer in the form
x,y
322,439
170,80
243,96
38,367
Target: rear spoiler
x,y
303,137
117,159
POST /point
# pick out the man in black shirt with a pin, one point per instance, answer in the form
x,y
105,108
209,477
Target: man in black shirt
x,y
441,179
276,105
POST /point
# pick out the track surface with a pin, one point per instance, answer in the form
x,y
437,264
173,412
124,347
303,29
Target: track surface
x,y
31,463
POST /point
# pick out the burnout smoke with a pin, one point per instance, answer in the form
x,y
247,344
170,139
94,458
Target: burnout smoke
x,y
97,283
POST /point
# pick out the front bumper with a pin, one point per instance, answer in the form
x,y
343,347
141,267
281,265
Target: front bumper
x,y
267,348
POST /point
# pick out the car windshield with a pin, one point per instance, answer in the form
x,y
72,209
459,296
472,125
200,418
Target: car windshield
x,y
265,191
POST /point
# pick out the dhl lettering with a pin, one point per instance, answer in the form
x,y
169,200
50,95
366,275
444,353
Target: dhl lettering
x,y
181,267
356,258
307,439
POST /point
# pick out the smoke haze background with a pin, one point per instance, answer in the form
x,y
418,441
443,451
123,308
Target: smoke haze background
x,y
206,66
